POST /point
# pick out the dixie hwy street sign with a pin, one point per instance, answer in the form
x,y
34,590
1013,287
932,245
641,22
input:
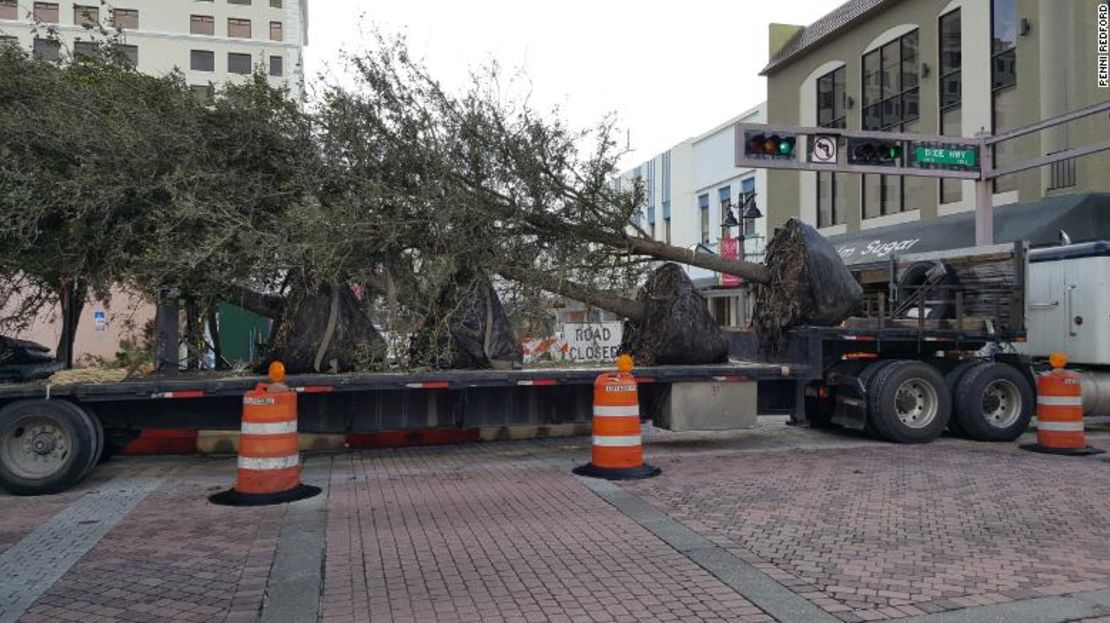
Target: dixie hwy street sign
x,y
949,156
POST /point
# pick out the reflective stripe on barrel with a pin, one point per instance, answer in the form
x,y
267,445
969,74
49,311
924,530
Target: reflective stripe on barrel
x,y
616,422
1060,410
269,459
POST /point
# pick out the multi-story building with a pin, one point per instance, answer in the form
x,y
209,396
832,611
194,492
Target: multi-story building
x,y
690,187
209,41
943,67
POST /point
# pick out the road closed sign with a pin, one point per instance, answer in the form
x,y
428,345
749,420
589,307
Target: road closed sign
x,y
592,341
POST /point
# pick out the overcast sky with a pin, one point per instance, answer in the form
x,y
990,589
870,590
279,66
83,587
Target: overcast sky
x,y
670,70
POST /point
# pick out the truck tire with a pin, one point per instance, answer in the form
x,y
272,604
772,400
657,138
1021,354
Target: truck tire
x,y
99,444
940,304
994,402
46,446
865,377
952,379
908,402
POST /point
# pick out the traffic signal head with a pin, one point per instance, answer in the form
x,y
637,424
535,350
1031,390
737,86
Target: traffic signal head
x,y
769,145
873,151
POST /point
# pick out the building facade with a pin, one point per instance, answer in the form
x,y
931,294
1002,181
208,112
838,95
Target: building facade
x,y
209,41
688,189
944,67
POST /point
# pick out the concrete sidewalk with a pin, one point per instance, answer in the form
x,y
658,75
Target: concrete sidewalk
x,y
775,524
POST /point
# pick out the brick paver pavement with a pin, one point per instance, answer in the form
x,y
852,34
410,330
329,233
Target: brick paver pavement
x,y
890,531
503,532
486,533
175,557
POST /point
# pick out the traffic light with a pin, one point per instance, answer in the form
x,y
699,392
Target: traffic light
x,y
873,151
778,146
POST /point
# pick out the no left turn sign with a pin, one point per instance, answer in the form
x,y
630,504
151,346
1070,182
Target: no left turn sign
x,y
823,149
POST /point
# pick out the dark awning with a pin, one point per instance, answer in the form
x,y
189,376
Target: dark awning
x,y
1084,216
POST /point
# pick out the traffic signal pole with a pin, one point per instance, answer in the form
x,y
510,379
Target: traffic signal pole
x,y
901,153
984,196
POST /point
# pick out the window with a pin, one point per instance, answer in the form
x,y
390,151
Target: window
x,y
9,9
246,2
47,50
8,40
202,60
703,208
238,63
1003,44
890,102
951,92
275,32
202,25
277,66
1003,78
275,4
46,12
831,113
125,18
129,52
84,48
88,16
239,28
667,229
203,92
724,194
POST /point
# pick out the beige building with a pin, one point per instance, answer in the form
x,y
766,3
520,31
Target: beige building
x,y
210,41
952,67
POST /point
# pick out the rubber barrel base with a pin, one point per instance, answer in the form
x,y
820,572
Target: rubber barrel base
x,y
235,498
1086,451
609,473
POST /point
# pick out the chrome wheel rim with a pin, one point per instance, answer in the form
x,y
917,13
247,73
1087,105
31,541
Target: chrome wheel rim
x,y
35,447
916,403
1001,405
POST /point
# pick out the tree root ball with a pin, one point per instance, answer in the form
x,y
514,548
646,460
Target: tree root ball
x,y
810,285
305,341
467,329
676,327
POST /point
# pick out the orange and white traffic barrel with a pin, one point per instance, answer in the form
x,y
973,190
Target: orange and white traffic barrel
x,y
617,452
1060,412
269,459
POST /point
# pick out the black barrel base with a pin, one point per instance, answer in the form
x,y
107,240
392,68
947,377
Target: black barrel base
x,y
1087,451
631,473
235,498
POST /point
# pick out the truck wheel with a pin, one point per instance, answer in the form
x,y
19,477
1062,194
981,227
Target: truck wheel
x,y
994,402
952,380
865,377
45,446
908,402
99,445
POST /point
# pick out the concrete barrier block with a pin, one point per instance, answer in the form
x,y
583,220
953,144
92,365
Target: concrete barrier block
x,y
710,406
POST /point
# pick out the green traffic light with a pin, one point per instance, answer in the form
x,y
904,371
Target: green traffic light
x,y
786,146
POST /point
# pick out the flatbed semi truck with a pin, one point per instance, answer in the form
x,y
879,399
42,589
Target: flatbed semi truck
x,y
932,349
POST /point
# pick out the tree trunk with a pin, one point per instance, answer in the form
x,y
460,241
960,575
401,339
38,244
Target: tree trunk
x,y
626,308
194,335
267,305
544,224
214,331
72,299
709,261
166,332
